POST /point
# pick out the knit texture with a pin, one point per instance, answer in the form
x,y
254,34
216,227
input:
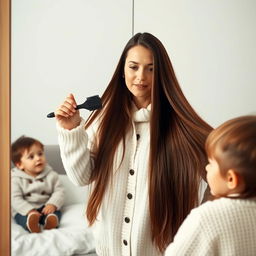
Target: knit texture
x,y
30,192
123,223
224,227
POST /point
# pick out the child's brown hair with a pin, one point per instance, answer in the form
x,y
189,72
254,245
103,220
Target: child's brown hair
x,y
20,145
233,146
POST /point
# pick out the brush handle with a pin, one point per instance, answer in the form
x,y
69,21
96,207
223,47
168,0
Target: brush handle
x,y
50,115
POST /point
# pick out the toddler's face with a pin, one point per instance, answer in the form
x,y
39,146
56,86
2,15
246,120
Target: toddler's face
x,y
216,181
33,160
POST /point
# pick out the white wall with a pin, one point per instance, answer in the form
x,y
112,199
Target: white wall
x,y
212,45
58,47
64,46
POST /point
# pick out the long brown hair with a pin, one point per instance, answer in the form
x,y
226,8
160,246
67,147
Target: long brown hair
x,y
178,134
233,145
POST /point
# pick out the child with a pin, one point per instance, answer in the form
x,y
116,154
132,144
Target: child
x,y
225,226
37,194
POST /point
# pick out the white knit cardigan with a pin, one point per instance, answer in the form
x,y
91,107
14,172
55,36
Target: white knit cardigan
x,y
224,227
123,223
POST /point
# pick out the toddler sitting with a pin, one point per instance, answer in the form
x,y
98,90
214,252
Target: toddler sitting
x,y
37,193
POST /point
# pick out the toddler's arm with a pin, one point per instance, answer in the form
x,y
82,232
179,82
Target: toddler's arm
x,y
57,197
18,202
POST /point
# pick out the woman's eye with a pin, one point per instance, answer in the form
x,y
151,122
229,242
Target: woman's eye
x,y
133,67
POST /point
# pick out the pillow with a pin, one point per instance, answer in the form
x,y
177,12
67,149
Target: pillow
x,y
73,237
73,194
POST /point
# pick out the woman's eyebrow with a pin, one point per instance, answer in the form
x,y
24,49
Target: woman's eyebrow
x,y
134,62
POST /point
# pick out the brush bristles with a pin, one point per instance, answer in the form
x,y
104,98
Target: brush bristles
x,y
92,103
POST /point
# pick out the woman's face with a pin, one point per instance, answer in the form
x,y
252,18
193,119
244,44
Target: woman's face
x,y
138,74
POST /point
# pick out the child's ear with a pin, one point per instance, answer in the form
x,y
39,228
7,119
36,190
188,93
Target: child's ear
x,y
19,165
232,179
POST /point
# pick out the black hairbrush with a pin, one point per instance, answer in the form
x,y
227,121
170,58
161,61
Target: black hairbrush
x,y
91,103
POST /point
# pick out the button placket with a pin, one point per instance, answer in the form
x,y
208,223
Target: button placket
x,y
128,213
131,172
129,196
129,203
127,220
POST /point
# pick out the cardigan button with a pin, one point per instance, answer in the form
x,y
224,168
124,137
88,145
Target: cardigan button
x,y
126,219
43,193
137,136
129,195
131,171
30,181
125,242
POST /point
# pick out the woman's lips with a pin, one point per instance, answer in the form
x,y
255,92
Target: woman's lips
x,y
142,86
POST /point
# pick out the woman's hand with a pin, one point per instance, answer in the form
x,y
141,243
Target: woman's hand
x,y
66,114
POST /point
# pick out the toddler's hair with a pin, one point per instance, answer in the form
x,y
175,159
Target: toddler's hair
x,y
233,146
20,145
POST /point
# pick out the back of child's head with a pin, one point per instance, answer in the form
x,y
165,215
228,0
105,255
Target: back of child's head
x,y
233,146
22,144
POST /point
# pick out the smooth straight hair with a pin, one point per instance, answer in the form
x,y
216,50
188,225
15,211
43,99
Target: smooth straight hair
x,y
177,138
233,146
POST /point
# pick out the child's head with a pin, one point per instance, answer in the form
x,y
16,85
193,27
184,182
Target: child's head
x,y
231,149
28,155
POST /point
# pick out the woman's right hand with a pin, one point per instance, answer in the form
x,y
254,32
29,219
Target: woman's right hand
x,y
66,114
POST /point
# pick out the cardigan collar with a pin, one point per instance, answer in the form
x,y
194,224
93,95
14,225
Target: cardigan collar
x,y
142,114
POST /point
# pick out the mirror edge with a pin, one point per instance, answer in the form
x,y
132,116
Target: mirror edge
x,y
5,74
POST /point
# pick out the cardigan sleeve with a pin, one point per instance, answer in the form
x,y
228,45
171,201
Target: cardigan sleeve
x,y
191,238
75,153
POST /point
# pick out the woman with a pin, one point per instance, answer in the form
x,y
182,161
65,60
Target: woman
x,y
143,152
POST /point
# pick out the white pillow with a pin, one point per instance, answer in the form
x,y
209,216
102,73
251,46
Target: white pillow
x,y
73,194
73,237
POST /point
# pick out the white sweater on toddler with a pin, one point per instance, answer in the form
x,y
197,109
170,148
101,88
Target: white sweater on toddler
x,y
224,227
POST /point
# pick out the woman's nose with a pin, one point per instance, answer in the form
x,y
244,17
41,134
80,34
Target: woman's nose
x,y
141,75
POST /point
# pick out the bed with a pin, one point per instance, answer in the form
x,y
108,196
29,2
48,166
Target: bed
x,y
72,237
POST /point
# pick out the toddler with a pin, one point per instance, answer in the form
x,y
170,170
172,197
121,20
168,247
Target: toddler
x,y
37,194
227,225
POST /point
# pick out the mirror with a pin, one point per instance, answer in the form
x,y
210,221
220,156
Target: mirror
x,y
73,46
5,127
60,47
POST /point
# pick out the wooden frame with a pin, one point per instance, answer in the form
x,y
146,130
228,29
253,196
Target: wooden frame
x,y
5,74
